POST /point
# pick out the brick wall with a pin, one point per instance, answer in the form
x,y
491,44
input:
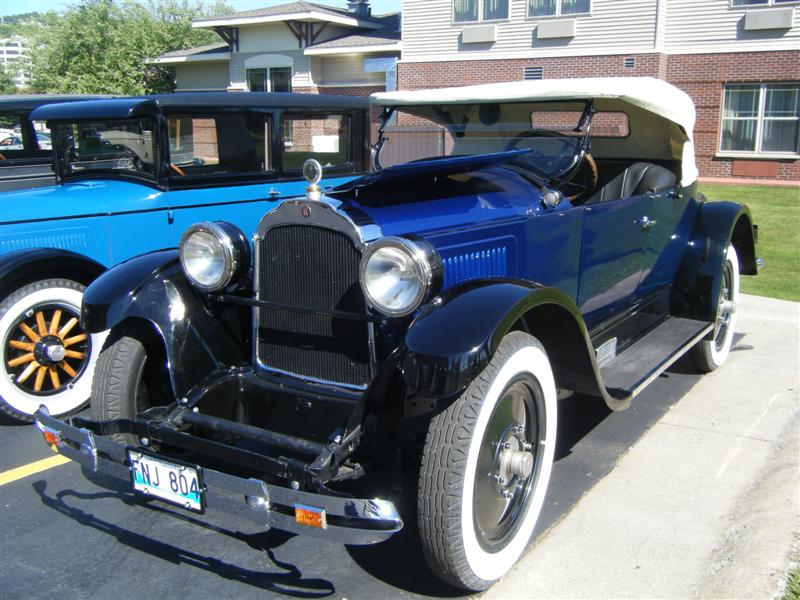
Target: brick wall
x,y
702,76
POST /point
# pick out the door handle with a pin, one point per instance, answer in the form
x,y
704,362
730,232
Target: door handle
x,y
647,223
273,193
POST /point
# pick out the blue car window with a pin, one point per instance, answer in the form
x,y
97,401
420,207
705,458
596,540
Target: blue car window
x,y
325,138
218,145
108,146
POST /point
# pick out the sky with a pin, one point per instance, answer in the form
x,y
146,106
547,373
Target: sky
x,y
13,7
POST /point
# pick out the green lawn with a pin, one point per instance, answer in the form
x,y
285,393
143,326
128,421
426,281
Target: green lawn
x,y
793,586
776,211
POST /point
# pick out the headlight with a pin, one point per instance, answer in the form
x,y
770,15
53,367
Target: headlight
x,y
213,254
399,274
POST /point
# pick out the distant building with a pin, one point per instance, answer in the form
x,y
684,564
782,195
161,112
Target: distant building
x,y
739,60
297,47
11,52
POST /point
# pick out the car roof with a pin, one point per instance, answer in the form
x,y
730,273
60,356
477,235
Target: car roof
x,y
26,102
648,93
137,106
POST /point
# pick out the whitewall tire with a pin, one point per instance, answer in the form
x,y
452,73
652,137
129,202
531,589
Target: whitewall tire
x,y
486,465
47,356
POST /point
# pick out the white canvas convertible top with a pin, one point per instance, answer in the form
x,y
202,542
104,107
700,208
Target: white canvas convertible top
x,y
649,94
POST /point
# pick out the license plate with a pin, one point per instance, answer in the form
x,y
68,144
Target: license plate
x,y
175,483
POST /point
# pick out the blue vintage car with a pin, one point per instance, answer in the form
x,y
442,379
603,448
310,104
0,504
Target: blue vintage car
x,y
433,309
133,174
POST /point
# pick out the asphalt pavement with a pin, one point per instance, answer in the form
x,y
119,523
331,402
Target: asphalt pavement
x,y
692,492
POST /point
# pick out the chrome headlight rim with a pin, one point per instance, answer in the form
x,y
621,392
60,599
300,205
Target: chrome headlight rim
x,y
234,247
427,264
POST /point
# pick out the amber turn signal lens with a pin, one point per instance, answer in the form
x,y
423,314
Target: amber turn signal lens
x,y
310,516
52,438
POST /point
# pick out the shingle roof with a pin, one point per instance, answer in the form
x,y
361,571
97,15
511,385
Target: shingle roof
x,y
220,47
290,8
390,33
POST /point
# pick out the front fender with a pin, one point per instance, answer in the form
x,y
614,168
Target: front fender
x,y
152,287
454,338
699,279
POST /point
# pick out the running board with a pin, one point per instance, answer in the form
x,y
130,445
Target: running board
x,y
628,373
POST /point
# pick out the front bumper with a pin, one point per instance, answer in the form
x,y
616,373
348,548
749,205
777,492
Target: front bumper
x,y
349,520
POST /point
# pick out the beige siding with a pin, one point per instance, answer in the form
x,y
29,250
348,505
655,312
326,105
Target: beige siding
x,y
712,26
614,27
204,76
348,70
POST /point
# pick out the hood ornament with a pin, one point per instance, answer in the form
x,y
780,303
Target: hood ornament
x,y
312,171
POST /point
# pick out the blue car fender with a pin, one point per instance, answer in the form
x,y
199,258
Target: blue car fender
x,y
24,266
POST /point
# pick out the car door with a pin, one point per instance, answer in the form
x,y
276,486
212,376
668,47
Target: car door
x,y
613,247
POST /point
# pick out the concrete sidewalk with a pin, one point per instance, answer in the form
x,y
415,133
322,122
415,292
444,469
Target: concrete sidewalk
x,y
707,503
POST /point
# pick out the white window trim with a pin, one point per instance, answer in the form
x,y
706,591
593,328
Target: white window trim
x,y
559,14
480,18
762,100
267,79
766,4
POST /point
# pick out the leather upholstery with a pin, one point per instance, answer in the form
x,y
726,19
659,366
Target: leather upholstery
x,y
640,178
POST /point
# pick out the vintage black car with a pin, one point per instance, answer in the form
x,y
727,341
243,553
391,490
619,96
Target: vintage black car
x,y
429,311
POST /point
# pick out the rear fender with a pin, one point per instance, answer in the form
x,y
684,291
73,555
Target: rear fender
x,y
197,338
697,285
24,266
453,339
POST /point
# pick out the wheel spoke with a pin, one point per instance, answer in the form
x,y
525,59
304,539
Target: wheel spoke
x,y
74,354
27,372
21,360
67,327
40,323
54,378
32,335
74,340
55,322
21,345
37,385
67,369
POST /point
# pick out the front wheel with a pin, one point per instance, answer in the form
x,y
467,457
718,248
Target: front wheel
x,y
707,355
48,358
486,465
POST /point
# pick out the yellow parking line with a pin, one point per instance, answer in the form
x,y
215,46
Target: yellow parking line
x,y
32,468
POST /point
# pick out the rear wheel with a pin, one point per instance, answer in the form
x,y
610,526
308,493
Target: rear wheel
x,y
486,466
707,355
48,358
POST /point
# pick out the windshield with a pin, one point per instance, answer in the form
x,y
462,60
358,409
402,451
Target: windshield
x,y
553,140
122,146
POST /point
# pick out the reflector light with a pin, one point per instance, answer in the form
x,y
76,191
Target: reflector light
x,y
53,438
310,516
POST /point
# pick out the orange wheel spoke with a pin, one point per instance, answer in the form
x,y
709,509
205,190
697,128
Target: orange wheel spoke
x,y
54,378
27,372
32,335
21,360
55,322
67,369
37,385
41,324
74,340
21,345
74,354
67,327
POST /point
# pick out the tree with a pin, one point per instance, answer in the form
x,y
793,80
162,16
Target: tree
x,y
102,46
6,83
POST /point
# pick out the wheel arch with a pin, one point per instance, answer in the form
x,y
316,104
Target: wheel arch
x,y
26,266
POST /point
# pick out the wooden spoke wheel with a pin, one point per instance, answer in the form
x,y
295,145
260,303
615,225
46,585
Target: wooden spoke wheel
x,y
47,356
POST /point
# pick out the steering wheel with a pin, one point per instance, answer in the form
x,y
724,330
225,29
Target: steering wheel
x,y
583,181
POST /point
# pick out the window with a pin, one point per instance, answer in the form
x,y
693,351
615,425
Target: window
x,y
761,118
558,8
218,145
107,145
325,138
465,11
737,3
271,79
604,123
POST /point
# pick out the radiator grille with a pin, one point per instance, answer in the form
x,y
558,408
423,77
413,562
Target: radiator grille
x,y
312,267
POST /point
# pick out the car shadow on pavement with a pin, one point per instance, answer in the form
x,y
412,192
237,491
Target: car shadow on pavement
x,y
289,583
